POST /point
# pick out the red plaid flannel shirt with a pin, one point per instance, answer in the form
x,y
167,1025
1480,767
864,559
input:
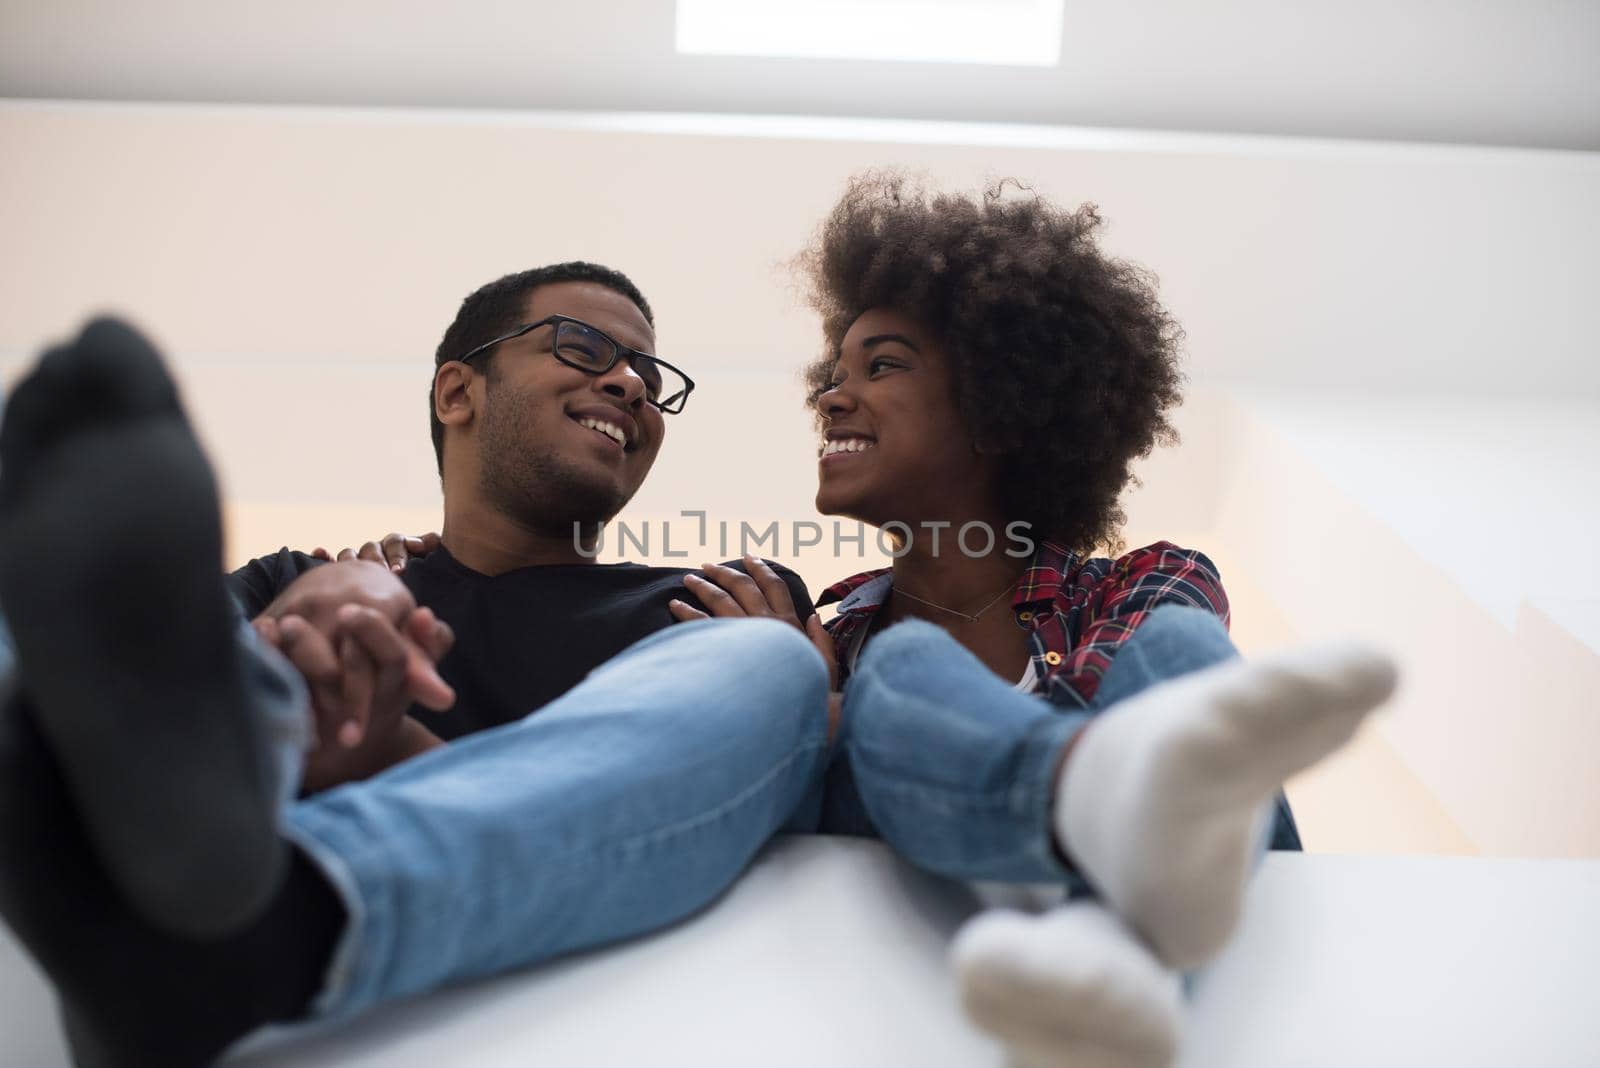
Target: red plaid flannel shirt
x,y
1078,612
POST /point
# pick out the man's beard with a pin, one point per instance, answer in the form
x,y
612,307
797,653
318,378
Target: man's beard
x,y
540,491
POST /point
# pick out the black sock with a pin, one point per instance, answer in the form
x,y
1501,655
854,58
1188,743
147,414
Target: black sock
x,y
110,576
131,993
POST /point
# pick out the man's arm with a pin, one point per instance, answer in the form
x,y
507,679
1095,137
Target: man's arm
x,y
798,593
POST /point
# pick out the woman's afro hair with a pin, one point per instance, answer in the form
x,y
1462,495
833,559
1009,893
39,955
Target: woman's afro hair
x,y
1065,362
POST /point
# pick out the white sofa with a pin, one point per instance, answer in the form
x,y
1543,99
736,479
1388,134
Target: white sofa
x,y
830,954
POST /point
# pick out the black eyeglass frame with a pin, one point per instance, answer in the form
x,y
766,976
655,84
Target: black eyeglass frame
x,y
618,351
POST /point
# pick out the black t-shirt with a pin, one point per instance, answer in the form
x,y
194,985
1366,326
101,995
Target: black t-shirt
x,y
523,638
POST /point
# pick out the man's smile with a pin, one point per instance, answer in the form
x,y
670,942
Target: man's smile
x,y
614,425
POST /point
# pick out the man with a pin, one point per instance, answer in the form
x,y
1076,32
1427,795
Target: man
x,y
147,858
529,449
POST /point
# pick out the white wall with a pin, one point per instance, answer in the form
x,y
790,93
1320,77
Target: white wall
x,y
245,234
1360,526
1499,492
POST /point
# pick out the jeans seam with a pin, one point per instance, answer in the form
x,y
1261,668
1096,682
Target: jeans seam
x,y
648,839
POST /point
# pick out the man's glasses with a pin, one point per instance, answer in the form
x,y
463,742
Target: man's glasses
x,y
590,350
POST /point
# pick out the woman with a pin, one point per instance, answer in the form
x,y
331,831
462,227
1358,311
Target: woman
x,y
989,371
988,380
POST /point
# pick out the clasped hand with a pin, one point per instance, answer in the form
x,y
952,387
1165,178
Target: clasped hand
x,y
725,592
367,652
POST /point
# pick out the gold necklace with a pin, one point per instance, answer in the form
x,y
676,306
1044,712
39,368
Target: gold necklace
x,y
969,617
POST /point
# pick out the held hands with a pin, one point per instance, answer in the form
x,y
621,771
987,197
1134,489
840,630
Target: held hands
x,y
367,652
728,593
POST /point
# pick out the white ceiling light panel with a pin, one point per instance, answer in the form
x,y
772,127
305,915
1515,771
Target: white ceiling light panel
x,y
1021,33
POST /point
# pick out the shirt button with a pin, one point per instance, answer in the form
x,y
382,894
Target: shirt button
x,y
1052,658
1024,616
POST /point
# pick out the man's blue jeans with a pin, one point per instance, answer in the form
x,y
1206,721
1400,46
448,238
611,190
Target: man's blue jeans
x,y
627,804
956,769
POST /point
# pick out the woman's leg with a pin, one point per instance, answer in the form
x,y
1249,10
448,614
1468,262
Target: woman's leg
x,y
1071,988
1158,803
955,768
1174,641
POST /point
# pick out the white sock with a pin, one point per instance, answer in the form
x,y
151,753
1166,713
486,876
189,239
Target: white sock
x,y
1161,802
1070,988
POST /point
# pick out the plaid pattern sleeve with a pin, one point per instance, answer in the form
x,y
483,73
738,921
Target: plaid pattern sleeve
x,y
1096,607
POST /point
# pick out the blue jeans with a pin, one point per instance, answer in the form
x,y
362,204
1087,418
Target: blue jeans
x,y
629,803
639,796
957,770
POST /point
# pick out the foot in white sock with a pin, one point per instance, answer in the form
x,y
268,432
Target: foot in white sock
x,y
1071,988
1161,801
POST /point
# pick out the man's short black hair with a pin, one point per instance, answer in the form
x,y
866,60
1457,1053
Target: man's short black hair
x,y
499,308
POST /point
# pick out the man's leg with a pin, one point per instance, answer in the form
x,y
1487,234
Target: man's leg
x,y
110,576
130,991
146,741
627,805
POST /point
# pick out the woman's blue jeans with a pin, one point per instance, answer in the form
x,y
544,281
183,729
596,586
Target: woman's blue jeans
x,y
956,769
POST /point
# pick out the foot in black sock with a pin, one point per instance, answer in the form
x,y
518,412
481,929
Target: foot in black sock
x,y
132,995
111,580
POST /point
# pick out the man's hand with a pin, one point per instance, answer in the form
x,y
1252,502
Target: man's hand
x,y
367,652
